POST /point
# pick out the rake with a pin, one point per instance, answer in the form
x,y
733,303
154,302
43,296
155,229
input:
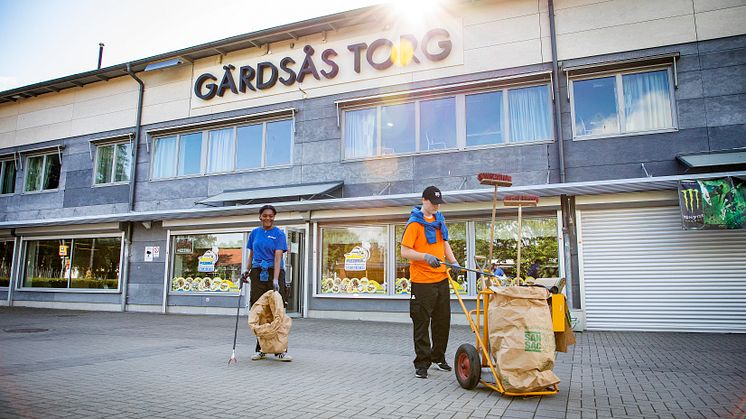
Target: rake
x,y
494,179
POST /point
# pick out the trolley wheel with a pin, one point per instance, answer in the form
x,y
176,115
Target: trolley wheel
x,y
468,366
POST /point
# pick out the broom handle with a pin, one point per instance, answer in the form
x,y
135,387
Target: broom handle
x,y
520,241
492,232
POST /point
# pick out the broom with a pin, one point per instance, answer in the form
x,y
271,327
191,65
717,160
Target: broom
x,y
494,179
520,201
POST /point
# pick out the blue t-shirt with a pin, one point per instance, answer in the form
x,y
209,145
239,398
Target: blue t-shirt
x,y
263,244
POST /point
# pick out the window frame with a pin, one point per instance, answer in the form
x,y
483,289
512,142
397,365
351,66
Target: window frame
x,y
3,163
23,264
390,262
44,172
621,116
204,156
460,118
113,164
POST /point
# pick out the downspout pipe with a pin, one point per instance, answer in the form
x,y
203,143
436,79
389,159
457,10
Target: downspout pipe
x,y
133,182
555,88
135,146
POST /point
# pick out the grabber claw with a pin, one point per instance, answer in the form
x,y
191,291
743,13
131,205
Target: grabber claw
x,y
233,359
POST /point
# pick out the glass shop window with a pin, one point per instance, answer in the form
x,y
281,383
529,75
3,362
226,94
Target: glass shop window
x,y
353,260
206,262
6,261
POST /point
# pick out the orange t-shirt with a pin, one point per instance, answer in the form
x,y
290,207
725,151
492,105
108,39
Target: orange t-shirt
x,y
419,270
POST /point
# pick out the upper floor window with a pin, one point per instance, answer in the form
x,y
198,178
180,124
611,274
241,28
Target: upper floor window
x,y
113,163
622,103
7,176
42,172
254,146
504,116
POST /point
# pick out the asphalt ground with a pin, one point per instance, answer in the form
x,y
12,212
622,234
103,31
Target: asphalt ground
x,y
59,363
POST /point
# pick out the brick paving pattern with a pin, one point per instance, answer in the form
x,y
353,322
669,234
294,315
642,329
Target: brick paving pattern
x,y
147,365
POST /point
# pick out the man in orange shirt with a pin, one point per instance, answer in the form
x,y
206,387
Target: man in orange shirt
x,y
425,244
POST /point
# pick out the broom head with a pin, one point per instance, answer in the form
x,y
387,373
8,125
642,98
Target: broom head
x,y
523,200
497,179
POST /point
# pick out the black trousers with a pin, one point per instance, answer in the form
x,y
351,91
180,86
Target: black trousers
x,y
258,288
430,310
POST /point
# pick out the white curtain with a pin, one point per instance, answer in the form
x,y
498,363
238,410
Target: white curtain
x,y
529,114
360,133
220,151
647,101
164,161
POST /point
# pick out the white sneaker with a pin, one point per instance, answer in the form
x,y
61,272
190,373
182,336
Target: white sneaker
x,y
284,357
257,356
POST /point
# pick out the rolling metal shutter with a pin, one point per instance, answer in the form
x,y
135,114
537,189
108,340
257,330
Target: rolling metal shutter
x,y
642,271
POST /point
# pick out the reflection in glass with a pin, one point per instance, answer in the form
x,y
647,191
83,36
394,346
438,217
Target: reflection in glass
x,y
529,114
34,170
190,154
484,119
595,106
47,263
437,124
360,133
164,163
397,129
353,260
123,162
6,261
540,246
104,163
52,168
249,147
95,263
8,177
279,140
207,262
647,101
220,150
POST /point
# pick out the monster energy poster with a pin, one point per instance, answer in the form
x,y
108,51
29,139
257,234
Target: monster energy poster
x,y
713,204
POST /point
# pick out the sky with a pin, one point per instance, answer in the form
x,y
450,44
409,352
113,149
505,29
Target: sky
x,y
46,39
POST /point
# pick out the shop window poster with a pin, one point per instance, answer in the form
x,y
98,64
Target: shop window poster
x,y
184,245
713,204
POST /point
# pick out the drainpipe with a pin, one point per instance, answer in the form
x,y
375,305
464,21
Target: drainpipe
x,y
138,121
133,182
555,87
126,266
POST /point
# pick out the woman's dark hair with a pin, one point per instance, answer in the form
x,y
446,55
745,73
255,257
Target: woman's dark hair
x,y
267,207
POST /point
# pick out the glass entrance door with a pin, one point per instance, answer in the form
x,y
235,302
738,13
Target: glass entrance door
x,y
294,268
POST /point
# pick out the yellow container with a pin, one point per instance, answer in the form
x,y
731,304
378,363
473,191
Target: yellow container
x,y
558,312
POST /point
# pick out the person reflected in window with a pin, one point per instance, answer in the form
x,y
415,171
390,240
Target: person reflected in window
x,y
266,246
425,244
497,270
533,270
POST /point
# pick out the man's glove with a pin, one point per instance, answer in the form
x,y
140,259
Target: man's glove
x,y
276,285
432,260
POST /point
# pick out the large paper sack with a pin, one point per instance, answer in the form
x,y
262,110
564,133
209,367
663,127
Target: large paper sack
x,y
522,338
269,323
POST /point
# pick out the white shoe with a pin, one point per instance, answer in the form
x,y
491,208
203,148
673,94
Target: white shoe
x,y
283,357
257,356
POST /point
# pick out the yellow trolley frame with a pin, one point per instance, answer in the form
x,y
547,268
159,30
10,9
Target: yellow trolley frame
x,y
482,342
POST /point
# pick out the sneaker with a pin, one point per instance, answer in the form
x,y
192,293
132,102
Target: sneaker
x,y
283,357
420,373
443,366
257,356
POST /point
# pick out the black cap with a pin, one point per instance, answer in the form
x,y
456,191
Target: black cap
x,y
432,194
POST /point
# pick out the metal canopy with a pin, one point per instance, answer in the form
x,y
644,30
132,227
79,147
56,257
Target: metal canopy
x,y
711,159
379,201
309,190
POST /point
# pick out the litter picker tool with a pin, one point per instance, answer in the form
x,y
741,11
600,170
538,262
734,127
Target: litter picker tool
x,y
520,201
494,179
233,359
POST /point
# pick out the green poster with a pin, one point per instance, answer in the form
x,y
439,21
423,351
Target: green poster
x,y
713,203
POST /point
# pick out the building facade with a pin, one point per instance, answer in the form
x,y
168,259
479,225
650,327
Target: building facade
x,y
134,187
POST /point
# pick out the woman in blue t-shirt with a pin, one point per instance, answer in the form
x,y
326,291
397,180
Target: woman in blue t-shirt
x,y
266,245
